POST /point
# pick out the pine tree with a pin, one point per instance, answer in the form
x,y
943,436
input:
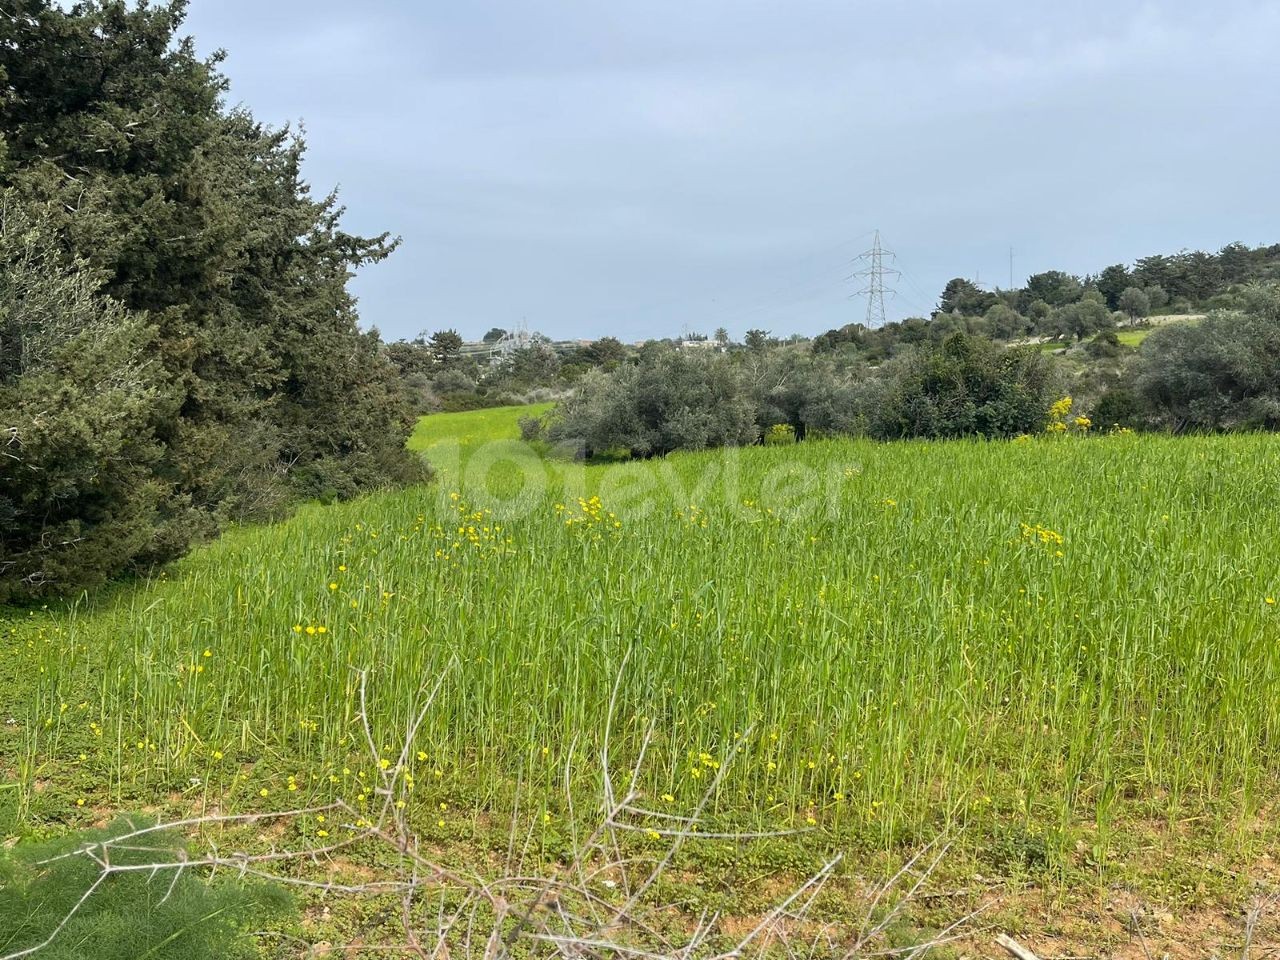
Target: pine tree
x,y
195,219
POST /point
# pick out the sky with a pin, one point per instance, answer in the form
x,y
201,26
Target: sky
x,y
646,168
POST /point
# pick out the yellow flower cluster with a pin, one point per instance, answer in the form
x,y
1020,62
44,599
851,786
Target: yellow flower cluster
x,y
1060,422
589,515
1061,409
694,516
1034,533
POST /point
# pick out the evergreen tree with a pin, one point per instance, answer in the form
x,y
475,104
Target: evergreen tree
x,y
194,218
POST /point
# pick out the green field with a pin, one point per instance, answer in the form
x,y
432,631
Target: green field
x,y
473,427
920,629
1132,338
1069,641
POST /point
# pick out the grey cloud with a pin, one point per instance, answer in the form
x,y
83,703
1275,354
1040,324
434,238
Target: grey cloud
x,y
635,168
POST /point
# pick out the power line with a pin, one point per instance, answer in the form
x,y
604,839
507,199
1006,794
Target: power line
x,y
874,273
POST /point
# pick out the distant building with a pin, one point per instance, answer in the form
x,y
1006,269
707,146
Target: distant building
x,y
713,345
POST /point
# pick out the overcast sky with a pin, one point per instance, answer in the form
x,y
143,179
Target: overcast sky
x,y
643,167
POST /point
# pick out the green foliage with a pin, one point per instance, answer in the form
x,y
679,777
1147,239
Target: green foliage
x,y
1118,407
1079,319
228,281
678,401
780,435
445,346
1105,344
1222,373
132,914
1134,302
803,391
529,367
606,352
965,387
1005,323
1058,304
965,297
78,402
1054,287
1112,282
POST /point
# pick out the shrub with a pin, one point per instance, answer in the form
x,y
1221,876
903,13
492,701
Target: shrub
x,y
1104,345
793,387
78,404
1118,407
780,434
966,386
1220,374
671,401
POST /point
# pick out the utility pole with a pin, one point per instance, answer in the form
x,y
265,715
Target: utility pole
x,y
874,273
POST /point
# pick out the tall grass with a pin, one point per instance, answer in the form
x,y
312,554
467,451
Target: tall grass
x,y
892,636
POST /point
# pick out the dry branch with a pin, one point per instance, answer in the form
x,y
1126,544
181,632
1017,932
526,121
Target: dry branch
x,y
561,914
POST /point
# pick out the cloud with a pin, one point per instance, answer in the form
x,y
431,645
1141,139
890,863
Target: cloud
x,y
572,162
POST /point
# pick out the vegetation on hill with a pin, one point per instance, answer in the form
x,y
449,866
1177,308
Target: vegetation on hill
x,y
1062,306
178,348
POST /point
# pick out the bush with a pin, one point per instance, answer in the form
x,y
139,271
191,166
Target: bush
x,y
1222,373
1118,407
965,387
780,435
791,386
672,401
1104,345
78,404
532,428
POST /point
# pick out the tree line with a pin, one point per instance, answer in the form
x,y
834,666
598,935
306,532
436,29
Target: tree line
x,y
1221,372
1062,306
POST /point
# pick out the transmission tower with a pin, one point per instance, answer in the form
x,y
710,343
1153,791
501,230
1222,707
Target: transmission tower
x,y
873,274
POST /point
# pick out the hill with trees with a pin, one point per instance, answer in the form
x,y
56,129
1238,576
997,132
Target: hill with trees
x,y
1061,306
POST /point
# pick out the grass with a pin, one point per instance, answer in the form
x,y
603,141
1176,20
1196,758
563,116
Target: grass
x,y
1062,646
473,427
1132,338
1127,337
